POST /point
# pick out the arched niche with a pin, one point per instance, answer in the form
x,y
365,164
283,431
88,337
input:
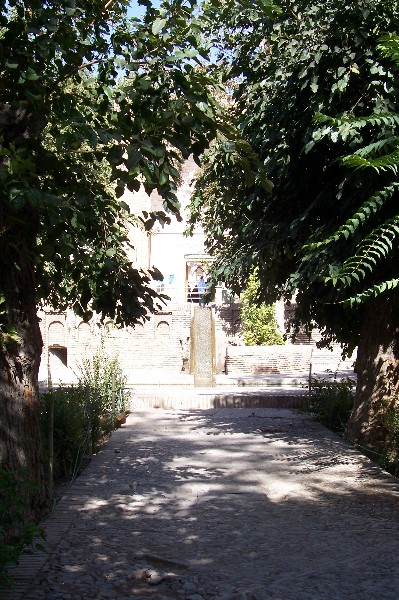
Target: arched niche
x,y
163,329
56,334
84,333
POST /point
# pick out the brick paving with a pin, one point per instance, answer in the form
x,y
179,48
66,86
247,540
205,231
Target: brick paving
x,y
221,504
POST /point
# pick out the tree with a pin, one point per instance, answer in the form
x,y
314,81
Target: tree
x,y
367,278
310,233
73,136
259,326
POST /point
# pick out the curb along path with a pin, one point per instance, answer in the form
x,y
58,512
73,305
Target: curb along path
x,y
222,504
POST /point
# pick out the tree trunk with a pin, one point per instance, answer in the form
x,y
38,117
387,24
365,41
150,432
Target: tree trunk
x,y
377,368
19,365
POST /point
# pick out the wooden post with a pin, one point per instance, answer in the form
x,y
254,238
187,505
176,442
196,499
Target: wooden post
x,y
113,398
88,399
50,472
50,467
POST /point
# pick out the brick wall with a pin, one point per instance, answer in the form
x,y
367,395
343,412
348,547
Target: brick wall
x,y
284,360
162,345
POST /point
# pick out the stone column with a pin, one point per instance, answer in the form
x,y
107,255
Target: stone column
x,y
203,346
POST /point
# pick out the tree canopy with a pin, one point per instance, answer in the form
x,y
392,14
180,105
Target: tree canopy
x,y
288,73
310,192
92,102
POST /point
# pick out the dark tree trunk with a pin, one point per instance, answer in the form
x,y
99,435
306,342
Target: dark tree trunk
x,y
19,364
377,368
20,446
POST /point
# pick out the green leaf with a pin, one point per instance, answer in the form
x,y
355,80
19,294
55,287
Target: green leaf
x,y
108,91
31,75
158,25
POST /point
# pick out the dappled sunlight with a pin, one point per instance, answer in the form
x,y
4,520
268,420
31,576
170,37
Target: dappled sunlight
x,y
166,481
247,497
281,490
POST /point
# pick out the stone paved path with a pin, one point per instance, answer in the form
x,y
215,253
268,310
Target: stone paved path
x,y
222,504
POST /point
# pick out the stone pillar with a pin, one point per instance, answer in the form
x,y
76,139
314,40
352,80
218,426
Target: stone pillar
x,y
203,346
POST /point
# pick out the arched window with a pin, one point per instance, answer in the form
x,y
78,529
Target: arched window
x,y
56,334
84,333
163,329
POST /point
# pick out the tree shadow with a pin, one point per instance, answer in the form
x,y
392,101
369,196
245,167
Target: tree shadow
x,y
260,502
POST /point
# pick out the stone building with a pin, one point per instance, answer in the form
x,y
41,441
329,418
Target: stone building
x,y
162,344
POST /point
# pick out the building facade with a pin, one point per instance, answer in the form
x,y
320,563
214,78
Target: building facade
x,y
162,344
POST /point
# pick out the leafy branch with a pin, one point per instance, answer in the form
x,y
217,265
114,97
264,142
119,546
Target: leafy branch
x,y
371,292
369,208
383,163
373,248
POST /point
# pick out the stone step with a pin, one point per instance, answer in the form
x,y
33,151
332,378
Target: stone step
x,y
151,379
208,398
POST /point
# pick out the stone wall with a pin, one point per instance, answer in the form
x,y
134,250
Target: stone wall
x,y
162,343
284,360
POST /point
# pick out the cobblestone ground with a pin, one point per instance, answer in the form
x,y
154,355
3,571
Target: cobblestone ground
x,y
222,505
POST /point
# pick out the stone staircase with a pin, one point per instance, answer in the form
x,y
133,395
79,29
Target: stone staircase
x,y
177,392
196,399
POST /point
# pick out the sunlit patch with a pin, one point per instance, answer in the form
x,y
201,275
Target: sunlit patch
x,y
281,490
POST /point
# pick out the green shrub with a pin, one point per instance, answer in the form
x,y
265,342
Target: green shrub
x,y
259,326
16,535
330,402
102,376
71,432
85,414
389,460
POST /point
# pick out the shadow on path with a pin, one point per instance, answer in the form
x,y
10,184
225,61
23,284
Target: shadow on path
x,y
230,504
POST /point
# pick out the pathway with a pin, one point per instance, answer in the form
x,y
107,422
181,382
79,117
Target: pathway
x,y
242,504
